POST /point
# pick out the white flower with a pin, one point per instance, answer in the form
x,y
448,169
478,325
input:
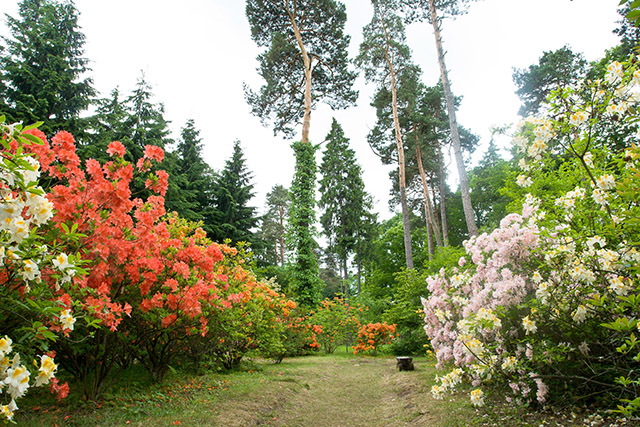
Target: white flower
x,y
524,181
600,197
477,397
17,380
577,118
606,182
584,348
509,364
46,371
5,346
30,270
529,325
67,320
618,286
580,314
61,262
588,159
614,72
523,165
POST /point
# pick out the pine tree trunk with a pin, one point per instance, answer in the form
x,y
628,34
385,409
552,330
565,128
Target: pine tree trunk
x,y
281,213
359,274
306,121
443,207
345,278
430,230
401,166
455,136
427,198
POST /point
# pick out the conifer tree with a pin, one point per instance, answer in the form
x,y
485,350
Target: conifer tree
x,y
43,67
343,196
274,224
233,218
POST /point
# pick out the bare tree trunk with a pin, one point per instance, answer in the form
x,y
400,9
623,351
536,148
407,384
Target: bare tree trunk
x,y
455,136
281,231
401,168
306,122
427,198
443,207
345,279
430,230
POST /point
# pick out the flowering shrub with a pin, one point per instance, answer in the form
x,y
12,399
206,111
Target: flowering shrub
x,y
373,335
32,273
549,301
338,322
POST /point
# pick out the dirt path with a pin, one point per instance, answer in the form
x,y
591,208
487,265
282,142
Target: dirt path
x,y
340,391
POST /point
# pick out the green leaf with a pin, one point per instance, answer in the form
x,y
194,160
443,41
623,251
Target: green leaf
x,y
33,126
31,138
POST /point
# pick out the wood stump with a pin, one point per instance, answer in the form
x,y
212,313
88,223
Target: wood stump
x,y
404,363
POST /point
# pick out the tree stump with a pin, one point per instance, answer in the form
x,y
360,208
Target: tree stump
x,y
404,363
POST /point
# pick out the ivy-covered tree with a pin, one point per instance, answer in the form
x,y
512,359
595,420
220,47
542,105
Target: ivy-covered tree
x,y
429,9
42,67
233,218
343,196
555,69
305,280
383,56
304,63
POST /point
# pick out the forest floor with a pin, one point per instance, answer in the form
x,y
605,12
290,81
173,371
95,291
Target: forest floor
x,y
324,390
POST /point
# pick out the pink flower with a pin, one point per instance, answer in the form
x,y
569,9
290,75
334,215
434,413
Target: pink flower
x,y
116,148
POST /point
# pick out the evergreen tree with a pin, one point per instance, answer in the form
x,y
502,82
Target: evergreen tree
x,y
43,67
274,225
555,69
233,218
487,180
192,180
343,196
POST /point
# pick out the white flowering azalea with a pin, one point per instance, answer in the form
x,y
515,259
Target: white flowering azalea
x,y
577,118
529,325
5,346
10,207
606,182
614,73
477,397
61,262
524,181
588,159
46,371
600,197
30,270
67,320
18,229
580,314
509,364
437,392
618,286
524,165
537,148
17,380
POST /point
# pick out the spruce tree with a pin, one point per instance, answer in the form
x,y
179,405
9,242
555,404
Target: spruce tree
x,y
343,196
274,224
43,67
233,218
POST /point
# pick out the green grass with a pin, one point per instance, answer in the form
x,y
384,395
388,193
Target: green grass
x,y
321,390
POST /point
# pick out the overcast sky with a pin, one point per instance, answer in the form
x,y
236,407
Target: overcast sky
x,y
198,54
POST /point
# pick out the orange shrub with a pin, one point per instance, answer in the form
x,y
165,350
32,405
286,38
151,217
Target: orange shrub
x,y
373,335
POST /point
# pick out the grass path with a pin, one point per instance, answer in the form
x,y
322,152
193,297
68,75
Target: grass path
x,y
340,391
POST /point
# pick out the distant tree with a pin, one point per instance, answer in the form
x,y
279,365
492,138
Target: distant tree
x,y
383,56
274,224
487,180
555,69
233,218
193,180
305,62
108,124
428,9
42,67
343,196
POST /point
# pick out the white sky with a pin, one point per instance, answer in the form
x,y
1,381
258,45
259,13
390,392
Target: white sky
x,y
198,54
